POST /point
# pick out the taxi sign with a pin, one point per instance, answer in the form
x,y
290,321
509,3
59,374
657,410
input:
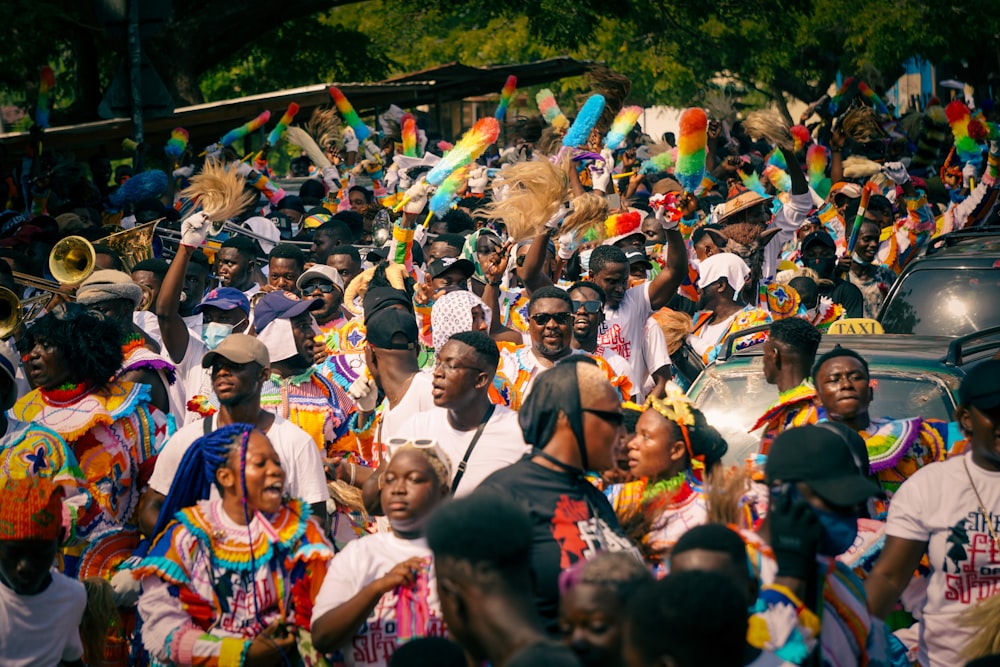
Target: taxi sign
x,y
856,326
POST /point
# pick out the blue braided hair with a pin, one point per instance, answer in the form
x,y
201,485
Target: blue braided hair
x,y
196,472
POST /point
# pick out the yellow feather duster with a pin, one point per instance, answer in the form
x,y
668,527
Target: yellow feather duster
x,y
537,190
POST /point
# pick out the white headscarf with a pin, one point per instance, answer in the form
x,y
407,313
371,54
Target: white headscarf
x,y
724,265
452,314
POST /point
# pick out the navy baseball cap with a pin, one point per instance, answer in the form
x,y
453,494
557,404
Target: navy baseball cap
x,y
280,304
981,387
224,298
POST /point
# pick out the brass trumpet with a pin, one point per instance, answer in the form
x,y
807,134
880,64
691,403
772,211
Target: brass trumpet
x,y
13,311
72,259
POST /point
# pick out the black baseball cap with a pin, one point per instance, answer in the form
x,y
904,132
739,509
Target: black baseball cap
x,y
386,324
829,458
981,387
378,299
818,237
439,266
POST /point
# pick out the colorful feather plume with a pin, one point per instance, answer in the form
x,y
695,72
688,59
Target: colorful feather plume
x,y
661,162
839,95
873,99
46,82
447,192
283,123
621,126
959,117
816,163
579,132
801,137
550,110
219,192
866,193
408,128
176,144
778,177
691,148
777,158
350,115
506,95
619,224
472,144
246,128
752,182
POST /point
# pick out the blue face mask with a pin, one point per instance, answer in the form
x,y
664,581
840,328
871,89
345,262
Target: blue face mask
x,y
839,532
213,333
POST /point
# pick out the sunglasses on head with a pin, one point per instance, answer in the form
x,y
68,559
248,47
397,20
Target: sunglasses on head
x,y
588,306
541,319
322,288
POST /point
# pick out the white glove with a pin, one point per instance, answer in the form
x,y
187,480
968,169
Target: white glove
x,y
420,235
242,168
404,181
417,195
567,246
896,172
194,229
666,222
126,588
331,179
478,178
391,179
350,140
600,172
969,172
364,392
183,172
555,221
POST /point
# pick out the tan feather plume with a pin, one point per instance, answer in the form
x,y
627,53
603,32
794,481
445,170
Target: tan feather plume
x,y
768,125
860,167
219,191
537,190
299,137
984,620
324,125
615,88
675,325
861,124
348,496
97,617
590,210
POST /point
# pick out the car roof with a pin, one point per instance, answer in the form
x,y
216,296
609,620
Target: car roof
x,y
973,244
904,346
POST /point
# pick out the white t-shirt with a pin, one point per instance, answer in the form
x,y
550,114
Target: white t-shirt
x,y
42,630
938,505
417,398
361,562
654,356
622,331
196,380
708,336
300,459
501,444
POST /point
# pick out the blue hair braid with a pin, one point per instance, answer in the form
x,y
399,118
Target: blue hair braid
x,y
196,472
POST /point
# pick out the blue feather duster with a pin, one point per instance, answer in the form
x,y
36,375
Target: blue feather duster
x,y
143,185
579,131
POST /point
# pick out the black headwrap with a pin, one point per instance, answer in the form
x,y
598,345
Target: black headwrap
x,y
555,392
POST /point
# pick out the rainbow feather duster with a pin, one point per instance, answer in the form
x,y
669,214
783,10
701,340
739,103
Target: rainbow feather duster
x,y
801,137
816,163
447,192
408,127
839,95
283,123
46,82
506,95
350,115
472,144
621,223
658,163
176,144
691,148
752,182
778,177
873,99
579,132
621,126
245,129
550,110
959,117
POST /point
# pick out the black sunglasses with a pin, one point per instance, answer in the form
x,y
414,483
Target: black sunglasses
x,y
613,418
323,288
588,306
520,259
541,319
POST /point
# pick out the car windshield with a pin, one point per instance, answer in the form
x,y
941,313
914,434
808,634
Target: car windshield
x,y
944,303
732,402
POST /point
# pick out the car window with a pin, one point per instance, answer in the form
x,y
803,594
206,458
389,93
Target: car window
x,y
732,402
944,302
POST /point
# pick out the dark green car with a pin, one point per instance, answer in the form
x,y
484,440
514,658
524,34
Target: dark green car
x,y
916,375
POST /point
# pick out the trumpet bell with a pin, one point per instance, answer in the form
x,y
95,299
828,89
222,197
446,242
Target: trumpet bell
x,y
72,260
11,313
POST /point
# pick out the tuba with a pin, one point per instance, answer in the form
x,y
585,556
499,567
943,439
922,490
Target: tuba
x,y
132,245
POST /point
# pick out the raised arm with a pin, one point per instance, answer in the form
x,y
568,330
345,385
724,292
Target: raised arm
x,y
664,286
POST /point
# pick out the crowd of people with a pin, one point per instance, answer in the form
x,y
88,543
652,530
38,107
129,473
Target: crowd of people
x,y
378,422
